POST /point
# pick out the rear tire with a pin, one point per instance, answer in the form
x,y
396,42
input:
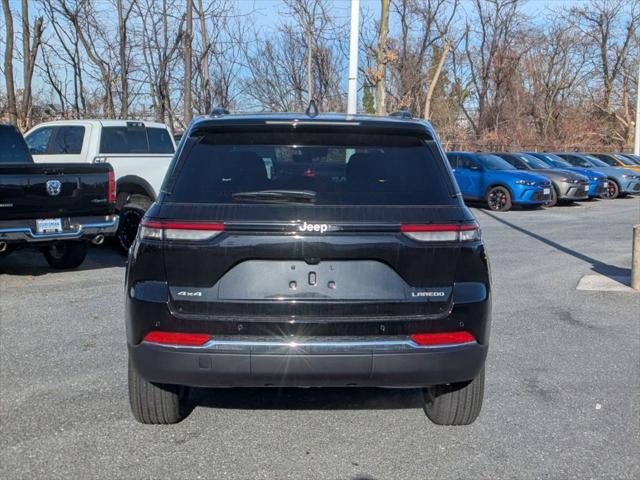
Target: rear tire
x,y
455,403
155,403
130,217
498,199
65,255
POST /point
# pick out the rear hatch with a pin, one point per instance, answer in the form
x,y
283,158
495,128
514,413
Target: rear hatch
x,y
310,221
30,191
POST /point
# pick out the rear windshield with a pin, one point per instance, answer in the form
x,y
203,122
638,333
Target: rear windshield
x,y
14,149
336,168
135,139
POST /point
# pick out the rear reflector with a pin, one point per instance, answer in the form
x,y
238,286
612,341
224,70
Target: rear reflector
x,y
447,338
185,231
442,233
175,338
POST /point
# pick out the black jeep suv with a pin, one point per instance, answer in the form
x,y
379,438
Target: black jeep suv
x,y
296,250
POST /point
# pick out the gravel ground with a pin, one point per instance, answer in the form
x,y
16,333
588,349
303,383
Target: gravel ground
x,y
562,394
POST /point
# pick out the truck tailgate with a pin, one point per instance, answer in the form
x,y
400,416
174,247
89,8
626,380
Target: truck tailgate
x,y
29,191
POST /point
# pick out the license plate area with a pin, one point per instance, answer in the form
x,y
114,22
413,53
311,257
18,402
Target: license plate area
x,y
49,225
546,191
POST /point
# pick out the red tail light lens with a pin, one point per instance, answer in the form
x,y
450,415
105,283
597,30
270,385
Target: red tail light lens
x,y
446,338
180,231
176,338
111,196
442,233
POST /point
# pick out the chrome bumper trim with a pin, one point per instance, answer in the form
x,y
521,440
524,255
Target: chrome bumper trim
x,y
311,345
81,229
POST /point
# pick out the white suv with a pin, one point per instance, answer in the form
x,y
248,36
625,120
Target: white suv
x,y
139,152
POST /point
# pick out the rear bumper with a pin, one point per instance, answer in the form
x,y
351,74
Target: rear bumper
x,y
78,228
249,364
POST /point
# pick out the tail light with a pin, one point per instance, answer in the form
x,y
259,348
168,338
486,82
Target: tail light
x,y
176,338
442,233
179,231
446,338
111,196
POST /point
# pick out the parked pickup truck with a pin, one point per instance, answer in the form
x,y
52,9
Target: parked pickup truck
x,y
139,152
56,207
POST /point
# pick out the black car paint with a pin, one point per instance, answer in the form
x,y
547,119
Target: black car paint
x,y
265,232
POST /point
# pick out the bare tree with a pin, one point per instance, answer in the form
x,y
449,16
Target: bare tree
x,y
123,54
89,30
311,15
161,38
30,47
188,41
379,78
8,64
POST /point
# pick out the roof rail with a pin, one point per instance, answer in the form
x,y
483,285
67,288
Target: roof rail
x,y
219,111
404,114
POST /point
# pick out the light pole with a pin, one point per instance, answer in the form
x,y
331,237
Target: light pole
x,y
352,97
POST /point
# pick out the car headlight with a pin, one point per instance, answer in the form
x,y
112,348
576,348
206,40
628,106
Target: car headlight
x,y
529,183
595,179
570,180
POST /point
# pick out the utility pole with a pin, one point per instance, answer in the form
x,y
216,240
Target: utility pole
x,y
636,145
352,98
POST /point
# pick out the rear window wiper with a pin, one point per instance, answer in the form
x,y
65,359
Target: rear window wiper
x,y
277,196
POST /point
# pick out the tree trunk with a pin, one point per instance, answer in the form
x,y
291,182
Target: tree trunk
x,y
8,64
381,58
434,81
188,39
124,66
309,63
204,61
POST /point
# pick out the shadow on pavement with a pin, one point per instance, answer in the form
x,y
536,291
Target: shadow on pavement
x,y
307,398
596,265
30,261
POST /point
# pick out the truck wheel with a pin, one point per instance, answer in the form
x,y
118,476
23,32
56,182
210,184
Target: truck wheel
x,y
456,403
498,199
130,217
63,255
155,403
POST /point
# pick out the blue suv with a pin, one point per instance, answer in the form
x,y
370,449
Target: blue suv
x,y
489,178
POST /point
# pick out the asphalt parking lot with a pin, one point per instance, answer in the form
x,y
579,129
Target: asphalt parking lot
x,y
562,398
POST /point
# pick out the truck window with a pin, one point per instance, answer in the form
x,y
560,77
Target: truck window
x,y
159,140
38,140
67,140
124,140
14,149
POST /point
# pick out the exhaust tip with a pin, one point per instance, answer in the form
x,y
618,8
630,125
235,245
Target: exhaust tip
x,y
98,239
3,246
